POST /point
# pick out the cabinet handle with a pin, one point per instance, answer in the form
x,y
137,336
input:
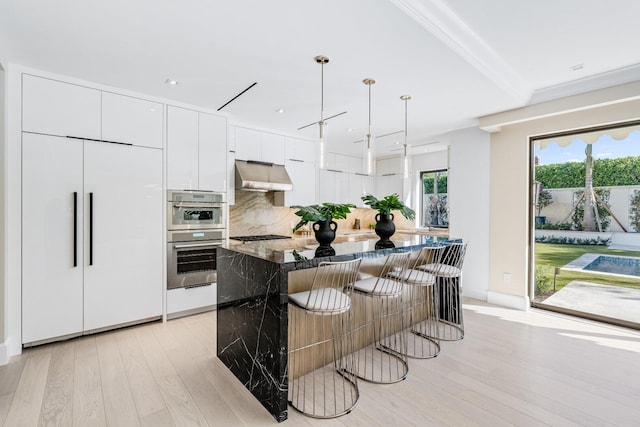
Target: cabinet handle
x,y
90,228
75,228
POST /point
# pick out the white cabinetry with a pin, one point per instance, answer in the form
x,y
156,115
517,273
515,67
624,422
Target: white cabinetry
x,y
212,158
117,274
251,144
131,120
182,149
272,148
359,185
52,282
247,143
389,179
301,149
196,150
183,301
56,108
300,164
334,187
305,188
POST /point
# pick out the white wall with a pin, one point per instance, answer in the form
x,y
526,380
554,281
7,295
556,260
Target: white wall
x,y
468,162
468,193
3,349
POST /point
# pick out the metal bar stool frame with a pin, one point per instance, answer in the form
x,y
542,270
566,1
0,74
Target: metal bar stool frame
x,y
420,305
381,334
448,272
321,350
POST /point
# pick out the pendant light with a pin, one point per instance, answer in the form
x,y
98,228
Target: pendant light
x,y
406,157
369,152
320,59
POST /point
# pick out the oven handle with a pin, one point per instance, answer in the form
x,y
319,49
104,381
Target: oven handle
x,y
197,205
196,245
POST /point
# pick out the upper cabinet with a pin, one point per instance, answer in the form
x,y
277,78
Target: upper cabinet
x,y
272,148
55,108
182,149
196,150
131,120
212,159
300,150
52,107
251,144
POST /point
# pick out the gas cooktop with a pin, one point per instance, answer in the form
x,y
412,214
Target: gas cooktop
x,y
259,237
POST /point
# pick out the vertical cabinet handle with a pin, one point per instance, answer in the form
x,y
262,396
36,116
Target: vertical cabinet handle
x,y
90,228
75,228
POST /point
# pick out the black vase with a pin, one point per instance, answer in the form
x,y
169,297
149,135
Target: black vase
x,y
385,229
325,232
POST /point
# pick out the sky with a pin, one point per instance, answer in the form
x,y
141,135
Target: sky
x,y
604,148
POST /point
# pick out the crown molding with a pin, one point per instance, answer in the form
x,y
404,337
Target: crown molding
x,y
444,24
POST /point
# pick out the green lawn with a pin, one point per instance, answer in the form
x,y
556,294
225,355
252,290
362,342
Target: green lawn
x,y
554,255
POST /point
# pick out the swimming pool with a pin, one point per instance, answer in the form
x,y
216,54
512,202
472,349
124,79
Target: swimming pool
x,y
624,266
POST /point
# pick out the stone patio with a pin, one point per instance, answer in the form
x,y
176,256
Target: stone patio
x,y
603,300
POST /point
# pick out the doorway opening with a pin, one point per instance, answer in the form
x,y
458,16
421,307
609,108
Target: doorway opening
x,y
585,223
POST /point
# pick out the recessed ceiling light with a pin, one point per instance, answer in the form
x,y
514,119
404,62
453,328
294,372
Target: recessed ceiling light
x,y
171,82
576,67
280,111
349,129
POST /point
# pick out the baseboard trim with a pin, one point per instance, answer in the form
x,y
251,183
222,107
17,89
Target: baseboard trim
x,y
475,294
508,300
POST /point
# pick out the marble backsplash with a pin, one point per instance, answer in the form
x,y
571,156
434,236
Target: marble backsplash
x,y
254,213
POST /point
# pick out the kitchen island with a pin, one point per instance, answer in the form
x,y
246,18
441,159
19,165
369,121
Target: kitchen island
x,y
252,291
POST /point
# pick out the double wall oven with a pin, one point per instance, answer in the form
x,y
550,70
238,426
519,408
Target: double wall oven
x,y
196,227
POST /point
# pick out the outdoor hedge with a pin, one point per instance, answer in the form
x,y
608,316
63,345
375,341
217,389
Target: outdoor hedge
x,y
606,173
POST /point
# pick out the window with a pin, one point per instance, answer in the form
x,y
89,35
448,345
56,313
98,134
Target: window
x,y
435,207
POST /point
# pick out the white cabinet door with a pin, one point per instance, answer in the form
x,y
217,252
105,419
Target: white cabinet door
x,y
212,159
359,185
304,178
55,108
388,184
333,187
131,120
231,178
306,193
248,144
51,283
307,150
272,148
123,272
182,149
301,149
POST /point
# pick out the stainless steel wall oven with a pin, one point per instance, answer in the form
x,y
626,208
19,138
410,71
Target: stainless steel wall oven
x,y
196,228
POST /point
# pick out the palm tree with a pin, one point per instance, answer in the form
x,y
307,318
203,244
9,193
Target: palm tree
x,y
588,224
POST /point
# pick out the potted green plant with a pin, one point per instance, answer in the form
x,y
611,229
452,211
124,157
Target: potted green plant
x,y
322,217
384,219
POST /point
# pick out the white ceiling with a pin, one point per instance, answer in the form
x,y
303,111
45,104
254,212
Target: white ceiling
x,y
458,59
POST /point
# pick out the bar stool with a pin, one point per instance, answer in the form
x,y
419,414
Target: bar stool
x,y
381,334
421,303
448,272
321,349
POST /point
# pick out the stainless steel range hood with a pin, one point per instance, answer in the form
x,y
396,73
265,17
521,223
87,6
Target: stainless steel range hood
x,y
261,176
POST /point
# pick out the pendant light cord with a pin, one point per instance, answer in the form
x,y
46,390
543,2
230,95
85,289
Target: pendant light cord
x,y
405,121
321,91
369,109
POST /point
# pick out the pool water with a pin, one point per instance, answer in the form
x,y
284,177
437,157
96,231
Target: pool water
x,y
628,266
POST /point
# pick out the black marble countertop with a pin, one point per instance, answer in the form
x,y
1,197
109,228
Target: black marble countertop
x,y
288,250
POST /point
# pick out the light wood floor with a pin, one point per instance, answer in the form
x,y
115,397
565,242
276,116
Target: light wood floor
x,y
512,368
